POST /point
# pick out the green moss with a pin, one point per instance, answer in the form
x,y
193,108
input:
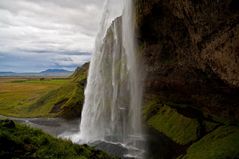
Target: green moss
x,y
220,144
168,121
20,141
179,128
73,107
151,108
81,73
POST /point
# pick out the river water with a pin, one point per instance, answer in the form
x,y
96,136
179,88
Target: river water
x,y
52,126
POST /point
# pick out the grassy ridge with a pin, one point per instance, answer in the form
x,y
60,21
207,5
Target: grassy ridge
x,y
222,143
20,141
167,120
66,101
181,129
194,136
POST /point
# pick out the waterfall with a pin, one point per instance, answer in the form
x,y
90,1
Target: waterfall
x,y
113,95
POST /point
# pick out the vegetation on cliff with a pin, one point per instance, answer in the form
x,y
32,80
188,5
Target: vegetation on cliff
x,y
189,134
66,101
20,141
181,129
220,144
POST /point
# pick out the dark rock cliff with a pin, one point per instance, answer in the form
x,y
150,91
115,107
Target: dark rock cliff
x,y
191,54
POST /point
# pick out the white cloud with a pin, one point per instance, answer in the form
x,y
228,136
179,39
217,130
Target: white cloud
x,y
55,28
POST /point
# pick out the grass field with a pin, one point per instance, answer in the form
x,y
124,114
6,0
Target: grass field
x,y
18,94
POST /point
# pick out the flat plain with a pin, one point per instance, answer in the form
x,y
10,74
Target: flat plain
x,y
17,94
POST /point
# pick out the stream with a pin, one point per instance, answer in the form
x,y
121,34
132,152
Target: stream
x,y
60,127
52,126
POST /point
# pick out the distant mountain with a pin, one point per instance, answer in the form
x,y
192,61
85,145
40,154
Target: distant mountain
x,y
56,71
48,72
6,73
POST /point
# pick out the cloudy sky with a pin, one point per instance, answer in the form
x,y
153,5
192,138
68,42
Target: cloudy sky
x,y
39,34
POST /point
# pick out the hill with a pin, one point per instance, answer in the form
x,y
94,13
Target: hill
x,y
66,101
55,72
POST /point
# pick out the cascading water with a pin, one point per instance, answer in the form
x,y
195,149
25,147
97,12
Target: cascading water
x,y
113,96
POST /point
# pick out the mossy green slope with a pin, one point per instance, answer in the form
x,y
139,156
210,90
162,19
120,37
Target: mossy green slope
x,y
66,101
165,119
20,141
196,136
222,143
179,128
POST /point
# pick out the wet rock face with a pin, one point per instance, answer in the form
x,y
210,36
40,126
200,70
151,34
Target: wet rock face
x,y
191,53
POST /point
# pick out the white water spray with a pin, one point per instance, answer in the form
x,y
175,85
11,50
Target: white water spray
x,y
113,96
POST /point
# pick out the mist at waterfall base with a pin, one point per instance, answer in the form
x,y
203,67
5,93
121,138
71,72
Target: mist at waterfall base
x,y
112,109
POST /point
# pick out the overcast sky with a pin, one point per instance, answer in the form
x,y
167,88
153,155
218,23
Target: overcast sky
x,y
39,34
